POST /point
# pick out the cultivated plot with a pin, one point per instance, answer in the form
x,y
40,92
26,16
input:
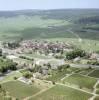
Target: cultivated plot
x,y
62,93
19,90
80,81
95,74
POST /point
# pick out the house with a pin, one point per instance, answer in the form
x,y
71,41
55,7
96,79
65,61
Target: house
x,y
94,56
56,63
25,80
11,57
37,75
77,59
44,70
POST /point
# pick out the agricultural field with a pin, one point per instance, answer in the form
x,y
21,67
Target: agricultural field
x,y
22,90
35,26
97,89
41,24
59,92
97,86
80,81
86,71
96,98
95,74
10,77
58,75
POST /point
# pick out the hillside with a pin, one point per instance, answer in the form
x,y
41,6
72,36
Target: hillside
x,y
59,23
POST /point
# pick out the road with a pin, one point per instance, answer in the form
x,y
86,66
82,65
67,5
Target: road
x,y
84,66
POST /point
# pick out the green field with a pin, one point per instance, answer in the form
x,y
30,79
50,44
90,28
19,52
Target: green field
x,y
85,71
97,91
80,81
58,75
95,74
49,24
20,90
98,86
62,93
29,27
96,98
10,77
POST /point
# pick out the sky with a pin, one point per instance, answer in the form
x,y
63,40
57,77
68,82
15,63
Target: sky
x,y
47,4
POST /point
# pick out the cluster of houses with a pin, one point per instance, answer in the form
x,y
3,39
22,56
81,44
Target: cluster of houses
x,y
44,47
39,47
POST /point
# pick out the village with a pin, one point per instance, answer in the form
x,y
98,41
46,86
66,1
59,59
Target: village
x,y
40,57
43,63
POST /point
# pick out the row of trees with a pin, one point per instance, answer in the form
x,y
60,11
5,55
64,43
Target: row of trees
x,y
0,52
27,74
27,58
11,45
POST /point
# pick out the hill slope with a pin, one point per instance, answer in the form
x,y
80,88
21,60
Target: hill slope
x,y
49,24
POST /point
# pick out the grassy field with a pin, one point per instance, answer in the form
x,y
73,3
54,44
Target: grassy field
x,y
80,81
95,74
20,90
62,93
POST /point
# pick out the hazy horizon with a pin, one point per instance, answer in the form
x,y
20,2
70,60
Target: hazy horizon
x,y
11,5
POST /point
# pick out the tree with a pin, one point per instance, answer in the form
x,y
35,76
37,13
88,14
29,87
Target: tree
x,y
13,45
6,65
27,74
53,82
49,65
0,52
75,53
60,68
0,88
